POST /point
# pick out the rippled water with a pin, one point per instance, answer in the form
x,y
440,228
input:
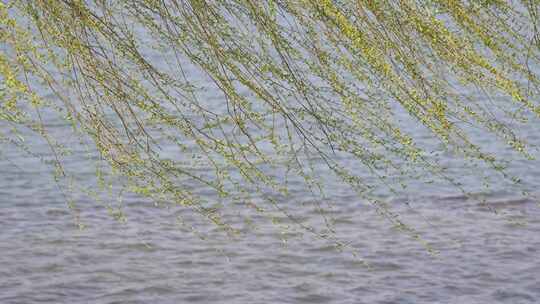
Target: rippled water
x,y
483,257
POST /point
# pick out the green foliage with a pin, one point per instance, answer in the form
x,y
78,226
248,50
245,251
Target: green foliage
x,y
300,81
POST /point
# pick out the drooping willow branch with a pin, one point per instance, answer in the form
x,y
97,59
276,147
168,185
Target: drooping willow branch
x,y
299,82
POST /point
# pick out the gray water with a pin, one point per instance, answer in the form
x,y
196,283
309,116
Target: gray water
x,y
483,257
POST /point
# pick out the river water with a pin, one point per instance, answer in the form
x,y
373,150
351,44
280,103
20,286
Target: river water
x,y
482,256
